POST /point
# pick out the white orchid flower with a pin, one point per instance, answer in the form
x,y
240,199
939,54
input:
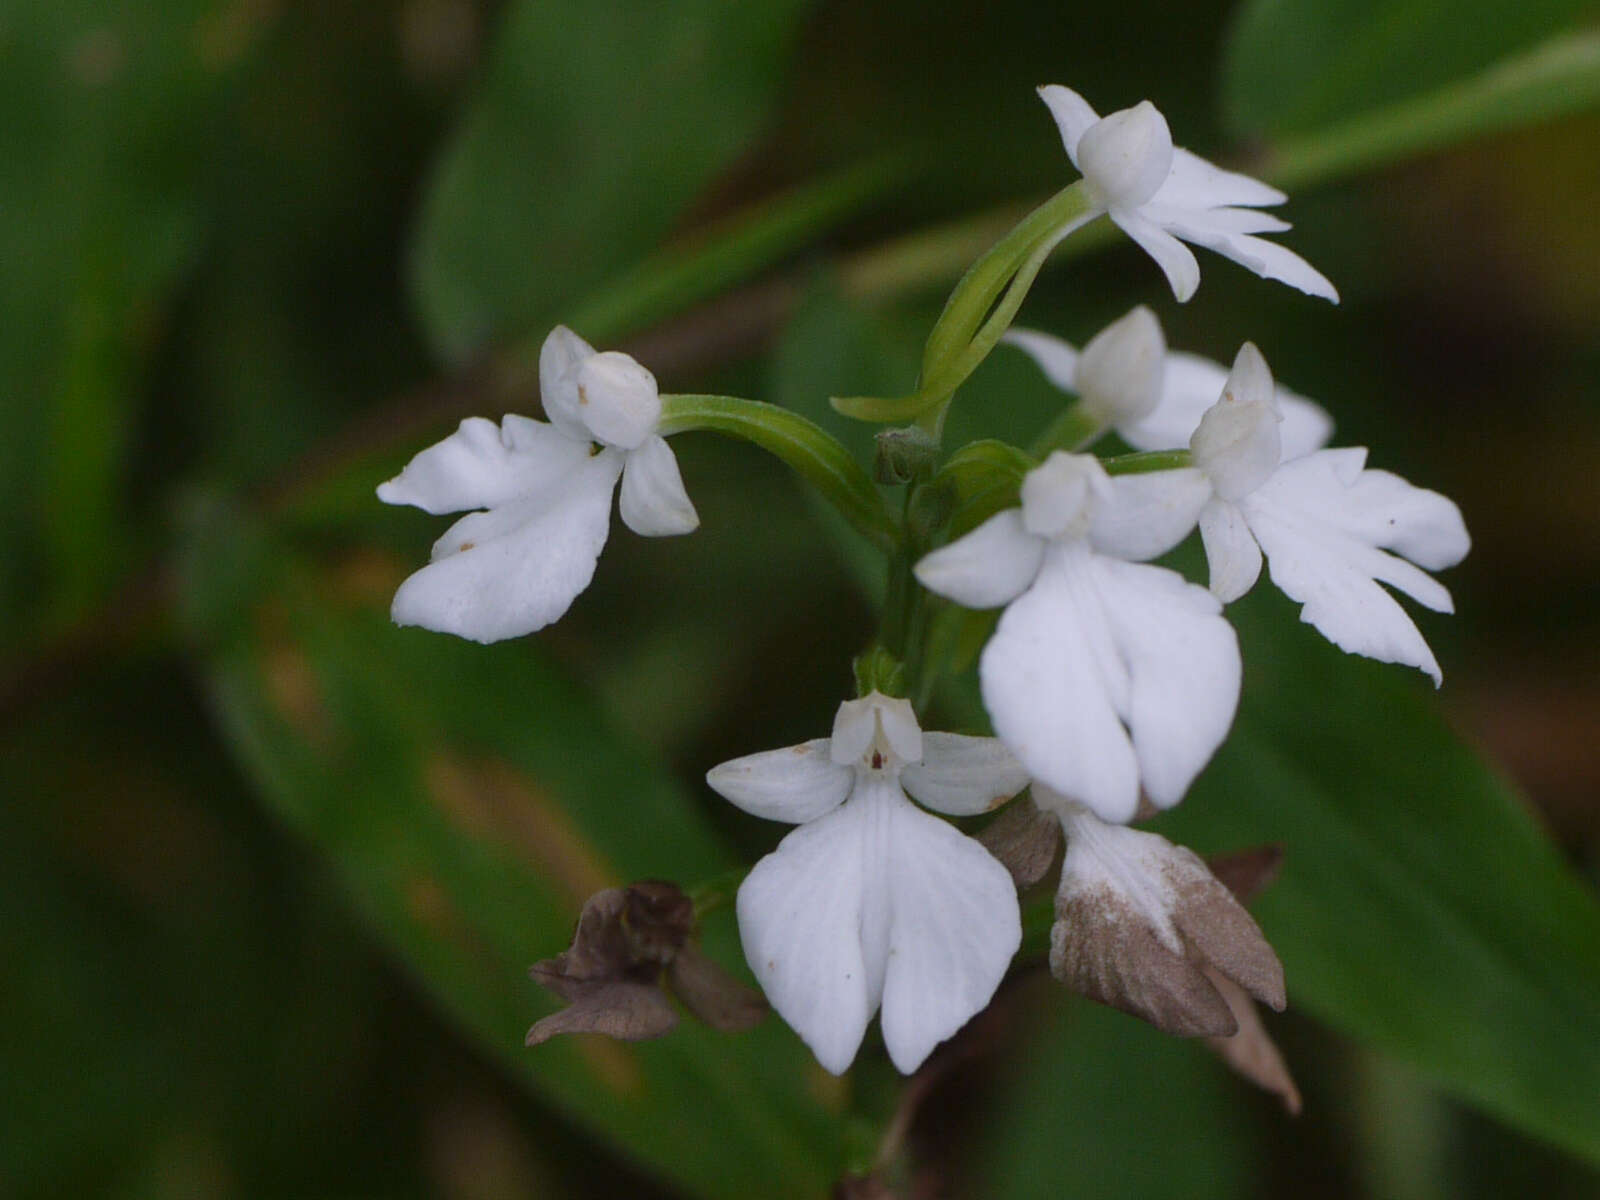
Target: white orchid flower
x,y
544,491
1325,523
1161,196
872,902
1104,675
1186,386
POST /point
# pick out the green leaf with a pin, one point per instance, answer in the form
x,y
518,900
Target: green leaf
x,y
469,798
109,116
596,124
1420,908
1105,1107
1555,77
1293,66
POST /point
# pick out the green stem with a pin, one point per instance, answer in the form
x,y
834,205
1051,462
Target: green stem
x,y
814,453
1147,461
1075,430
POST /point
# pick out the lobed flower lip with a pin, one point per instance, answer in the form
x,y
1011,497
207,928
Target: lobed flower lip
x,y
1162,196
871,903
542,494
1104,677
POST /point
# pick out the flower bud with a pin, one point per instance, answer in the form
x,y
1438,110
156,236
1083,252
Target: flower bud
x,y
1126,157
1119,373
1058,497
618,400
904,455
1237,443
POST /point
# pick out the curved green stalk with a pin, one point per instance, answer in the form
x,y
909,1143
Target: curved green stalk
x,y
814,453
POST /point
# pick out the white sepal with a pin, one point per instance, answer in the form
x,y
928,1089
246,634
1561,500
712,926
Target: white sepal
x,y
652,500
796,784
1126,156
988,567
560,357
1177,261
1237,443
963,775
875,722
1059,495
1143,516
1072,114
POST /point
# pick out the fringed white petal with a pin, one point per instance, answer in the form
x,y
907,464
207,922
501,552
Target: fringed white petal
x,y
1267,259
653,502
482,465
1323,532
518,567
986,568
1196,183
796,784
963,775
1231,551
954,927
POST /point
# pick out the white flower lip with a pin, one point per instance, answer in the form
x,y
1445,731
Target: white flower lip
x,y
1193,201
1104,677
872,903
543,496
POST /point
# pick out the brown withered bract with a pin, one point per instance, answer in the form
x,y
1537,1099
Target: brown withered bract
x,y
627,940
1024,840
1138,921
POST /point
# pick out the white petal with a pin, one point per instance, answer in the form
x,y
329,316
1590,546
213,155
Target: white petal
x,y
1120,371
1322,535
858,724
618,399
1145,515
516,568
1125,157
1193,384
1231,550
953,931
1056,358
1215,220
986,568
801,914
1267,259
1072,114
796,784
560,357
1171,255
1195,182
481,465
653,502
1054,683
963,775
1182,660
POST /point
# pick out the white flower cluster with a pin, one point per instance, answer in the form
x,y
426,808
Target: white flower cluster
x,y
1109,682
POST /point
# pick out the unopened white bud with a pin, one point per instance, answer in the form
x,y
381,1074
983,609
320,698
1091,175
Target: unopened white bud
x,y
618,399
1058,496
1127,156
1119,374
1237,443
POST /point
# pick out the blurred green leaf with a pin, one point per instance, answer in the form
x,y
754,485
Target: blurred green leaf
x,y
1105,1107
470,798
1420,909
1292,66
105,104
596,123
1559,76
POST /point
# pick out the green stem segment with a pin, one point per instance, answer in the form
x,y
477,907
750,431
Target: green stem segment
x,y
802,444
